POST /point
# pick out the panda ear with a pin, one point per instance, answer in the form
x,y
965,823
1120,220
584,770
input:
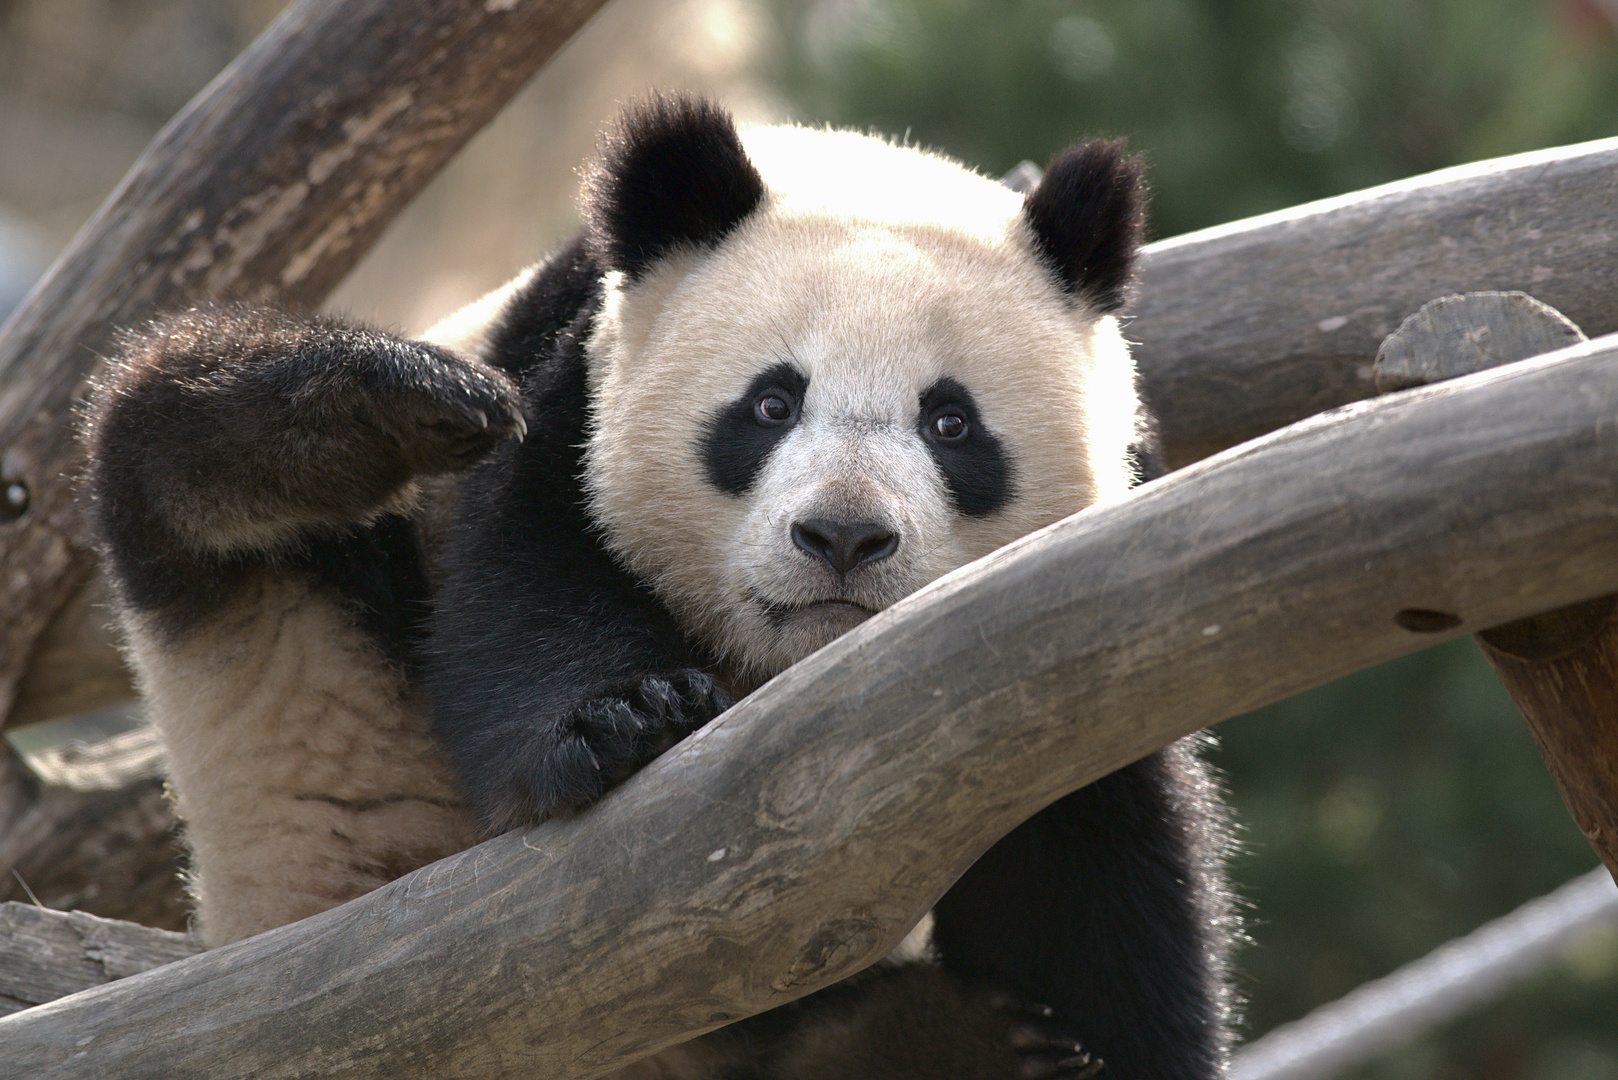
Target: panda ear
x,y
672,173
1087,216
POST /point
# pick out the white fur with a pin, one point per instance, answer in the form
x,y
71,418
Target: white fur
x,y
301,764
876,270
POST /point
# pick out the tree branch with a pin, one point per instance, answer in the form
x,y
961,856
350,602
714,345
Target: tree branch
x,y
1256,324
800,835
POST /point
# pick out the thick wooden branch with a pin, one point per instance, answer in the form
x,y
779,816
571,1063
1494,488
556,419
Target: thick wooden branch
x,y
269,186
800,835
1249,326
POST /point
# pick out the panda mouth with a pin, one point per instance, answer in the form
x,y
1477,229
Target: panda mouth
x,y
779,613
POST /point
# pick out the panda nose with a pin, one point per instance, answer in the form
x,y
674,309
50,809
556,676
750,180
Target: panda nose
x,y
843,545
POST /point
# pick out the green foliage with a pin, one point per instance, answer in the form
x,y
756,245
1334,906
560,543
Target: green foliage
x,y
1241,106
1388,813
1403,806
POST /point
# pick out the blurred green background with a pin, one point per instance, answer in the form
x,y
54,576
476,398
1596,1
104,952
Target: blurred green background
x,y
1405,805
1383,815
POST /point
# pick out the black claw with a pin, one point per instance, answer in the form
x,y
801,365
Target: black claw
x,y
621,732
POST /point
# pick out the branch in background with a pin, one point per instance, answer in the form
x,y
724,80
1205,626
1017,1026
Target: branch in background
x,y
110,851
269,186
1446,984
1252,325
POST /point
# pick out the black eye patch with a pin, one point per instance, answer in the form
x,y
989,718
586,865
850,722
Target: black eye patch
x,y
737,440
975,465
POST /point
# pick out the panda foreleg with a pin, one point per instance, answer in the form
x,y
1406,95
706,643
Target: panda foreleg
x,y
554,673
1110,906
240,465
619,683
223,433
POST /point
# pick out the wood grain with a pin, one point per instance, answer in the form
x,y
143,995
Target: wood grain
x,y
800,835
1570,701
1249,326
270,185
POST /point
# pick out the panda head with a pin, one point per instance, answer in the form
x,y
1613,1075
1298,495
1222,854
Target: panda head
x,y
830,369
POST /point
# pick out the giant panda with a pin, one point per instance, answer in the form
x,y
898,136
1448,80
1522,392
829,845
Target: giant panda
x,y
386,597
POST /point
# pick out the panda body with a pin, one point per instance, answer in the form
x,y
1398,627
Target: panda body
x,y
782,380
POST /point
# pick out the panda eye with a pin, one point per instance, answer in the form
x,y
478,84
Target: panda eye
x,y
773,409
950,427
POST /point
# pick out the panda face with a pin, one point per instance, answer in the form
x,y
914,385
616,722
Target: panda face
x,y
798,427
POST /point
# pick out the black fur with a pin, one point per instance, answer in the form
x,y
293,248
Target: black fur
x,y
916,1022
1109,906
737,440
377,569
581,675
1146,458
976,468
1087,215
278,441
672,174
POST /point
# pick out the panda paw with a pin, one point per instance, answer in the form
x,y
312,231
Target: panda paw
x,y
610,737
1043,1052
442,413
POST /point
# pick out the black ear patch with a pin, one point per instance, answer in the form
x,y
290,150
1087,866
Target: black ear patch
x,y
1087,215
672,173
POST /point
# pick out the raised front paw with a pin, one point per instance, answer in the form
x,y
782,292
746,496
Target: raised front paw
x,y
607,738
442,413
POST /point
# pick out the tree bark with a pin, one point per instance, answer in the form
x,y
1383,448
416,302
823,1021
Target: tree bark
x,y
1566,687
800,835
48,954
1246,327
110,851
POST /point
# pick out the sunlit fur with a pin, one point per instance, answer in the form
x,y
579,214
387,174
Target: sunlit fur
x,y
301,764
874,292
302,748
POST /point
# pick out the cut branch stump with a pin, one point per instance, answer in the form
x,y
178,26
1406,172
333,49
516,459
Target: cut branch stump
x,y
1560,667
